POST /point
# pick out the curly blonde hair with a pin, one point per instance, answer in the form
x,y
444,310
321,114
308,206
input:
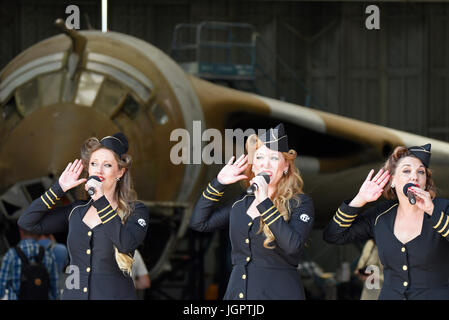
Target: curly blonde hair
x,y
289,187
124,193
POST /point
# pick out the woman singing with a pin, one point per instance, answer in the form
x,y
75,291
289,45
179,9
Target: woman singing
x,y
104,231
267,229
411,237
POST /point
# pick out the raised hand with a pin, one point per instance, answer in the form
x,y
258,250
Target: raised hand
x,y
231,172
371,188
69,177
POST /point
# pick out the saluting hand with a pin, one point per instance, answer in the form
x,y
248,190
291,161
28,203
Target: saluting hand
x,y
69,177
231,172
371,188
423,200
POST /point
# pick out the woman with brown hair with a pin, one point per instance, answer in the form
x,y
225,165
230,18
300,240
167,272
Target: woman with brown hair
x,y
410,228
104,231
267,229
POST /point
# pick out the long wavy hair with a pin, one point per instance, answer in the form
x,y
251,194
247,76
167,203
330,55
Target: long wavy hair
x,y
124,193
391,165
289,187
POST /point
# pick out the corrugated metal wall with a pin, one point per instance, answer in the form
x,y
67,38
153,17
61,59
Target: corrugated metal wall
x,y
396,76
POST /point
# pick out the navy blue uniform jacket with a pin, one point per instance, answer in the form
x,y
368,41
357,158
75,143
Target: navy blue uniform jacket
x,y
91,251
418,269
258,273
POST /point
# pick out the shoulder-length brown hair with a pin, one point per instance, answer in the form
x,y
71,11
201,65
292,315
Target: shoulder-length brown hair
x,y
124,191
289,187
391,165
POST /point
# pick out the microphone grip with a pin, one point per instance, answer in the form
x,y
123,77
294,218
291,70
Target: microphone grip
x,y
411,197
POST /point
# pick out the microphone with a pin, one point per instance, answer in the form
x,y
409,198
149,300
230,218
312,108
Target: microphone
x,y
91,190
252,188
411,197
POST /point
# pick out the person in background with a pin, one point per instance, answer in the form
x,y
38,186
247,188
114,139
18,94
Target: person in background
x,y
370,271
140,275
11,269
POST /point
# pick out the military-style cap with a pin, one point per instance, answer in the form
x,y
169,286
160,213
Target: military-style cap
x,y
422,153
117,143
276,139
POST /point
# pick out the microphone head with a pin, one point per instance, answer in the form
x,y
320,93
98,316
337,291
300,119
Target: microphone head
x,y
98,178
266,176
408,185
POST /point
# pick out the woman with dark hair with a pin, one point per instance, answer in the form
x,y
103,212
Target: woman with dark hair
x,y
268,229
104,231
410,228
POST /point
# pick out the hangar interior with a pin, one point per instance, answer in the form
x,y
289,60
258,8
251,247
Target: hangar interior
x,y
316,54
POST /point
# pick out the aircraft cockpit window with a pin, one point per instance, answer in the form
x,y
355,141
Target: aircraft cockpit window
x,y
88,87
159,114
50,87
130,107
110,97
26,97
9,108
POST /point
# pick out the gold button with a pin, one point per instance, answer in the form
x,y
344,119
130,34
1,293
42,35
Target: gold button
x,y
249,224
404,267
88,251
403,249
241,295
405,283
88,269
248,258
89,233
244,276
85,289
246,240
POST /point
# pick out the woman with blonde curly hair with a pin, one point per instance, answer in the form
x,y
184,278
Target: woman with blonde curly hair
x,y
410,228
267,228
104,231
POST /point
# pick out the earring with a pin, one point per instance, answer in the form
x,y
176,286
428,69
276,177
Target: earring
x,y
117,179
392,185
285,172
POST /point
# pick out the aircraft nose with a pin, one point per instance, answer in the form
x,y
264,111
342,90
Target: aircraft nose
x,y
47,139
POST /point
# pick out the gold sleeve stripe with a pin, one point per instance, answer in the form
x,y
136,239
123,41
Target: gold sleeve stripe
x,y
209,198
104,209
45,202
445,235
110,218
341,224
267,211
213,193
265,219
439,221
49,198
445,225
280,215
215,189
54,194
343,219
346,215
108,213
